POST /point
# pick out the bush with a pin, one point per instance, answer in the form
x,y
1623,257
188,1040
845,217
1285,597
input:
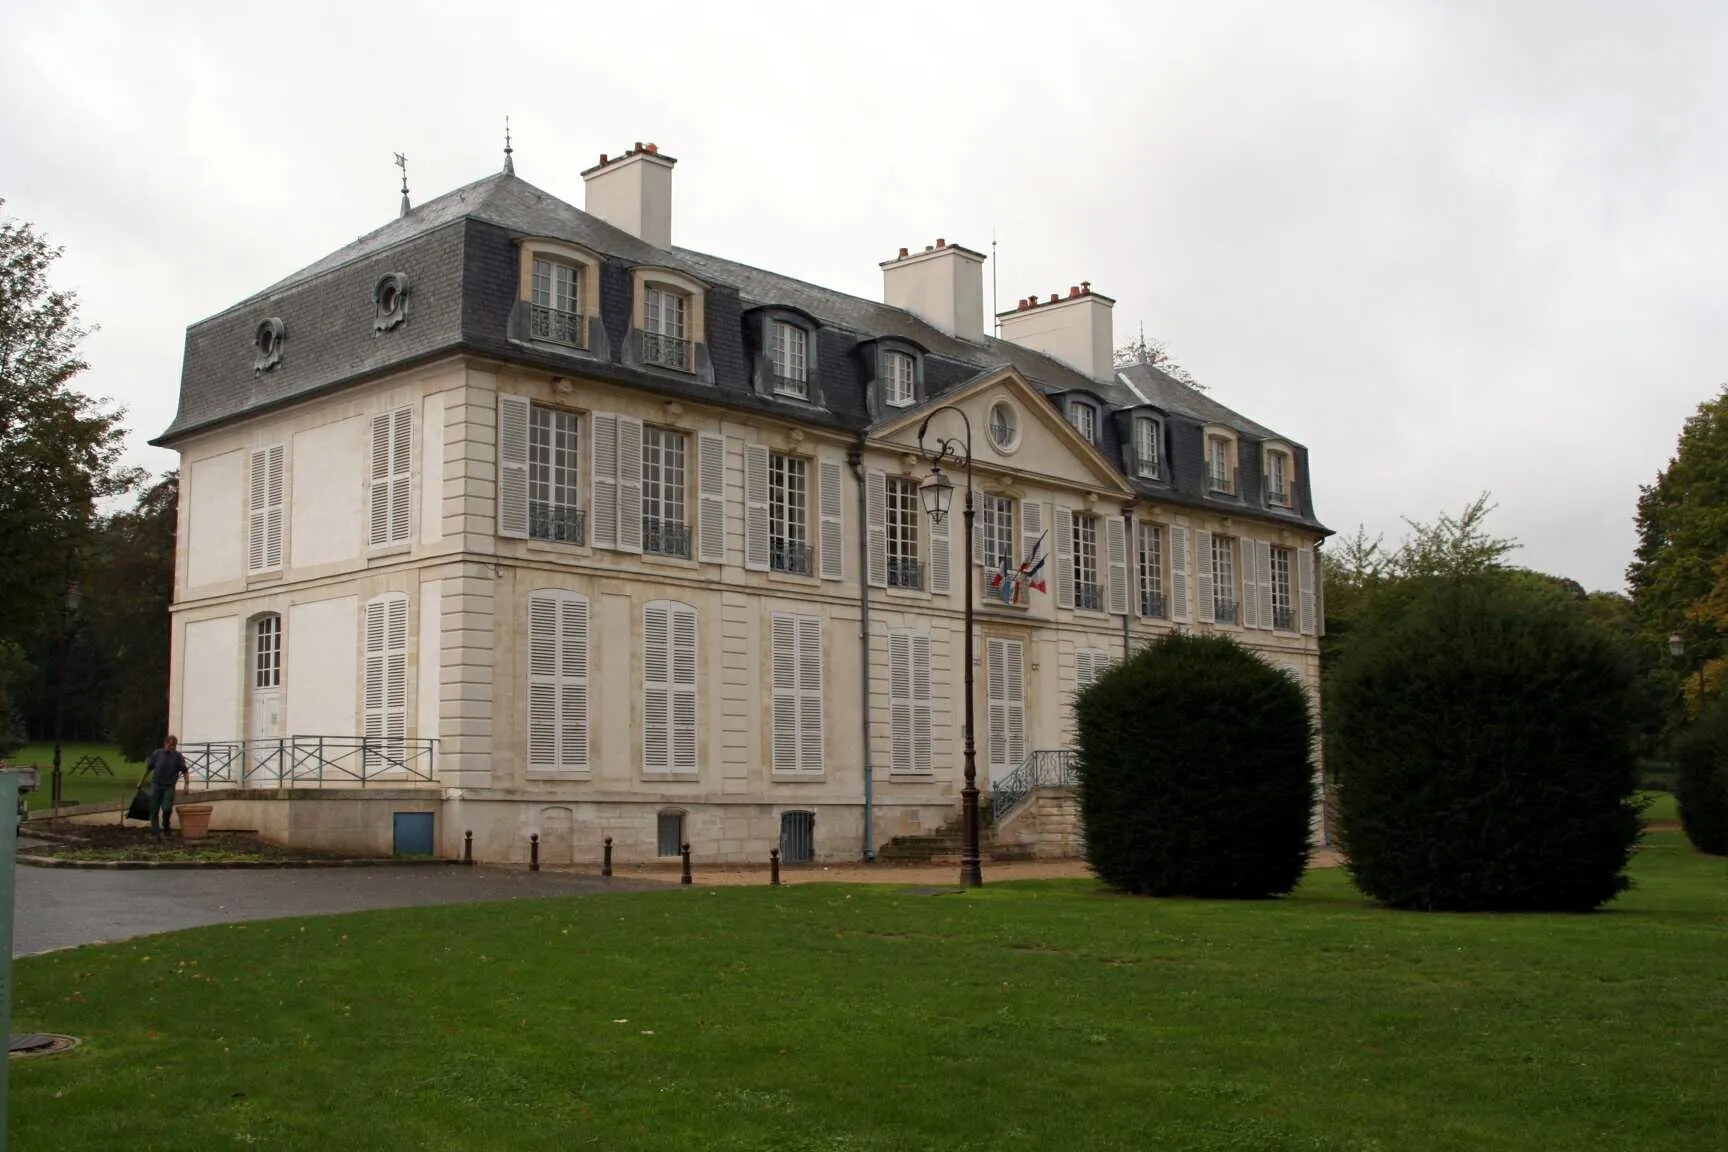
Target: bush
x,y
1195,775
1702,790
1483,743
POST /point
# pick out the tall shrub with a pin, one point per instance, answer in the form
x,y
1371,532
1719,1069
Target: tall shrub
x,y
1195,777
1482,738
1702,790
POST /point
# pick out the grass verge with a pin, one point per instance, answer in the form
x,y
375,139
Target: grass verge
x,y
1028,1016
86,788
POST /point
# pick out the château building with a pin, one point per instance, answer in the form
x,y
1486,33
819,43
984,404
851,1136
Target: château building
x,y
513,517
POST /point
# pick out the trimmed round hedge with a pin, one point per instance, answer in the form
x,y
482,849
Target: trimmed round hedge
x,y
1195,775
1702,789
1482,737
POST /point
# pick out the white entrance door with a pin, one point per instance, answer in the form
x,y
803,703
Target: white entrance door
x,y
264,749
1005,689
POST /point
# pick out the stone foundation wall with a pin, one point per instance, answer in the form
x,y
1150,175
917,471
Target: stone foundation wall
x,y
1049,822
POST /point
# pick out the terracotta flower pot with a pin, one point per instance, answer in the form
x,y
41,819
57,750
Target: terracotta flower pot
x,y
194,820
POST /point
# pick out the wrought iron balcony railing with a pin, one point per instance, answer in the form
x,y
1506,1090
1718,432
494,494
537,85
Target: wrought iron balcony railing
x,y
558,522
666,538
1154,605
904,572
1284,619
798,386
1088,596
789,556
666,351
1221,480
1224,611
1278,496
557,325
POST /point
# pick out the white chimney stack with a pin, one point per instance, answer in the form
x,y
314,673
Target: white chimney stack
x,y
942,286
633,192
1075,329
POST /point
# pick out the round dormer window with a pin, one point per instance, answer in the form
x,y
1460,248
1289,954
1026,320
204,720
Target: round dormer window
x,y
1004,426
267,344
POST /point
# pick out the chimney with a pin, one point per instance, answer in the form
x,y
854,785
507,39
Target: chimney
x,y
943,286
1074,329
633,192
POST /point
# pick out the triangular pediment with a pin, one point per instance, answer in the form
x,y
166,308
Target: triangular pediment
x,y
1043,443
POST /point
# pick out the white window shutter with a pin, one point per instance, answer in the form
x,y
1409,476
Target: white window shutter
x,y
683,688
256,508
401,473
899,701
921,707
274,496
1204,610
1305,574
513,466
1116,547
810,693
543,682
996,705
656,688
603,515
1179,554
941,555
629,484
1248,613
1064,557
756,508
378,495
1014,665
1263,558
385,689
1083,669
711,498
372,694
573,683
833,534
978,541
876,525
1031,528
783,683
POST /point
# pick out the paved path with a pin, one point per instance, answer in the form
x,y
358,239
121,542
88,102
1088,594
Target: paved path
x,y
60,907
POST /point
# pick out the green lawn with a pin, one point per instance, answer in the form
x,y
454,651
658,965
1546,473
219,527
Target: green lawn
x,y
1027,1016
1662,806
82,789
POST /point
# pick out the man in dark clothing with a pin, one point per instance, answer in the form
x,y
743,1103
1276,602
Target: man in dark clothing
x,y
166,766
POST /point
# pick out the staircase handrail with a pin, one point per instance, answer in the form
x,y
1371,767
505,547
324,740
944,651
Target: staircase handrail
x,y
1044,768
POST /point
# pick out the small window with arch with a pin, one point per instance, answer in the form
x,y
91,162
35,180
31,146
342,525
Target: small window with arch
x,y
669,832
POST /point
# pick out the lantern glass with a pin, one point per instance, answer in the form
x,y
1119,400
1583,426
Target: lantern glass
x,y
938,494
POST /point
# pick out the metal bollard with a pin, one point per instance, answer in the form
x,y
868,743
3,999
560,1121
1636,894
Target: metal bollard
x,y
468,847
774,867
534,852
685,852
606,860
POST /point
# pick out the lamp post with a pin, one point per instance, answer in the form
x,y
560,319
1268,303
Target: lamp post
x,y
938,494
67,606
1677,649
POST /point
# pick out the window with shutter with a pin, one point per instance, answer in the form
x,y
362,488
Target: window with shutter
x,y
392,440
1225,602
1005,704
1248,610
1147,454
557,682
264,526
665,530
1204,578
1064,558
669,737
909,709
554,509
513,421
1283,611
1305,577
1150,569
1179,553
904,515
789,514
385,695
876,527
604,530
629,484
1116,556
756,507
795,676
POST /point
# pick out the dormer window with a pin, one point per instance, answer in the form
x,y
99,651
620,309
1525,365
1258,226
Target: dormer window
x,y
788,356
556,303
1279,473
1085,420
665,339
1220,464
899,379
1148,458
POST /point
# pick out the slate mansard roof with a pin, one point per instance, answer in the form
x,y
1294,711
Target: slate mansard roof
x,y
459,257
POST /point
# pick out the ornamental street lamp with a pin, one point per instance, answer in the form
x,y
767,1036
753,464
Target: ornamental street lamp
x,y
938,495
1677,649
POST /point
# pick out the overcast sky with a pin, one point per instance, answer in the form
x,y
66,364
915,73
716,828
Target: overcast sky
x,y
1450,246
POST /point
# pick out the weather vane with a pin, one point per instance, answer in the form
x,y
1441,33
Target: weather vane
x,y
509,164
402,163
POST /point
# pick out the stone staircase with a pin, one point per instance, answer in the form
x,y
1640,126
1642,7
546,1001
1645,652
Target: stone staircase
x,y
943,846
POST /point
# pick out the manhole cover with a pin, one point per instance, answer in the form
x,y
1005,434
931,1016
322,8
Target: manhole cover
x,y
40,1044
